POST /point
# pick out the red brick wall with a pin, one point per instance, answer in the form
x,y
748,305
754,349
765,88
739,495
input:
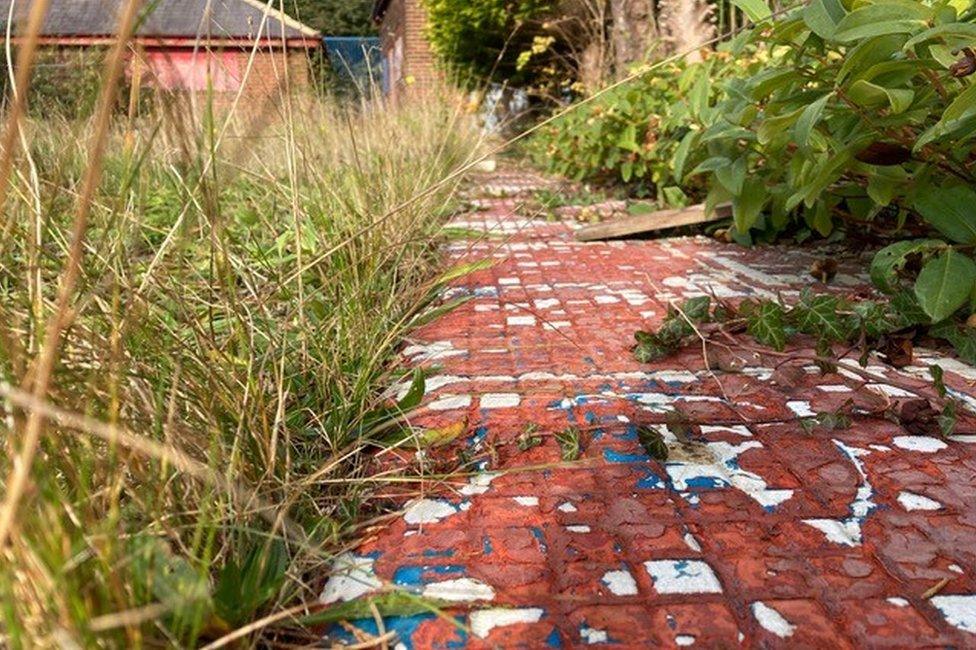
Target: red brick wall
x,y
410,62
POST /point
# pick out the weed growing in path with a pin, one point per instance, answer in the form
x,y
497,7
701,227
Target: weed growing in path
x,y
235,320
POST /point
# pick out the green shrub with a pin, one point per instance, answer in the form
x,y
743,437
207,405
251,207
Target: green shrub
x,y
856,116
630,134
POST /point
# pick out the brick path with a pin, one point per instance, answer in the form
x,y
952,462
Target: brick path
x,y
755,535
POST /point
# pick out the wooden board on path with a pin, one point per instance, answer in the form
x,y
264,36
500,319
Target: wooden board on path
x,y
660,220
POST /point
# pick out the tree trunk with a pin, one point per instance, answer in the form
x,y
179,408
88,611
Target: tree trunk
x,y
687,25
634,27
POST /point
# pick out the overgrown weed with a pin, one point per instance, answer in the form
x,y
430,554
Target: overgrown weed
x,y
235,322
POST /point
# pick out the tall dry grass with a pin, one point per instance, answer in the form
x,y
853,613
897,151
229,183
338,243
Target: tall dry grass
x,y
215,365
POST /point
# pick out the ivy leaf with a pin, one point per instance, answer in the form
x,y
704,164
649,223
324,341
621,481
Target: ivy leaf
x,y
950,210
945,283
962,339
653,443
938,379
948,419
765,324
890,260
817,315
697,308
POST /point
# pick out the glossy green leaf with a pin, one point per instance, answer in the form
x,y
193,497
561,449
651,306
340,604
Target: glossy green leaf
x,y
890,260
822,17
748,204
945,284
756,10
951,210
882,18
948,31
809,119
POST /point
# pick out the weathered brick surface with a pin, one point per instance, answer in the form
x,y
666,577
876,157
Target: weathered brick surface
x,y
410,60
755,534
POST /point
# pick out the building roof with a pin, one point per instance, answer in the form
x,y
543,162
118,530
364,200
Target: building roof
x,y
173,19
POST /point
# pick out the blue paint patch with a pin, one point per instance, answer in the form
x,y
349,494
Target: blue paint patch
x,y
478,436
412,575
612,456
409,576
597,434
486,292
554,640
445,569
373,555
432,553
486,545
705,482
650,481
537,533
590,417
629,434
404,626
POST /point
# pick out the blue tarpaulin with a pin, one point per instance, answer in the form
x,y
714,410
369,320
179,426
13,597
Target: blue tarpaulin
x,y
355,57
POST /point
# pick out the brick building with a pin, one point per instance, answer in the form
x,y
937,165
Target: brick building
x,y
229,46
408,60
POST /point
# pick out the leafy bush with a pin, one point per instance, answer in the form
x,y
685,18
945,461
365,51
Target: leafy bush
x,y
631,133
864,116
522,43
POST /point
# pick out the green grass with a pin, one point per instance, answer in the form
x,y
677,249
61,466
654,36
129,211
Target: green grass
x,y
224,355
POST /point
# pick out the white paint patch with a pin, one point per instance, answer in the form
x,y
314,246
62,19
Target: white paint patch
x,y
924,444
911,501
897,601
959,611
521,320
556,325
684,640
459,590
545,303
737,429
591,636
484,621
567,507
834,388
620,583
578,529
606,300
801,408
526,501
772,621
433,351
847,532
478,484
683,577
500,400
955,568
352,577
509,281
450,402
428,511
890,391
881,448
692,542
673,376
725,471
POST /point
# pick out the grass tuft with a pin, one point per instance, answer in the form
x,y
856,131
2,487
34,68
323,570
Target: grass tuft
x,y
221,361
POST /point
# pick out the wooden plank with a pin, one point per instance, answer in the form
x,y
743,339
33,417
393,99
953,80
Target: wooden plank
x,y
660,220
